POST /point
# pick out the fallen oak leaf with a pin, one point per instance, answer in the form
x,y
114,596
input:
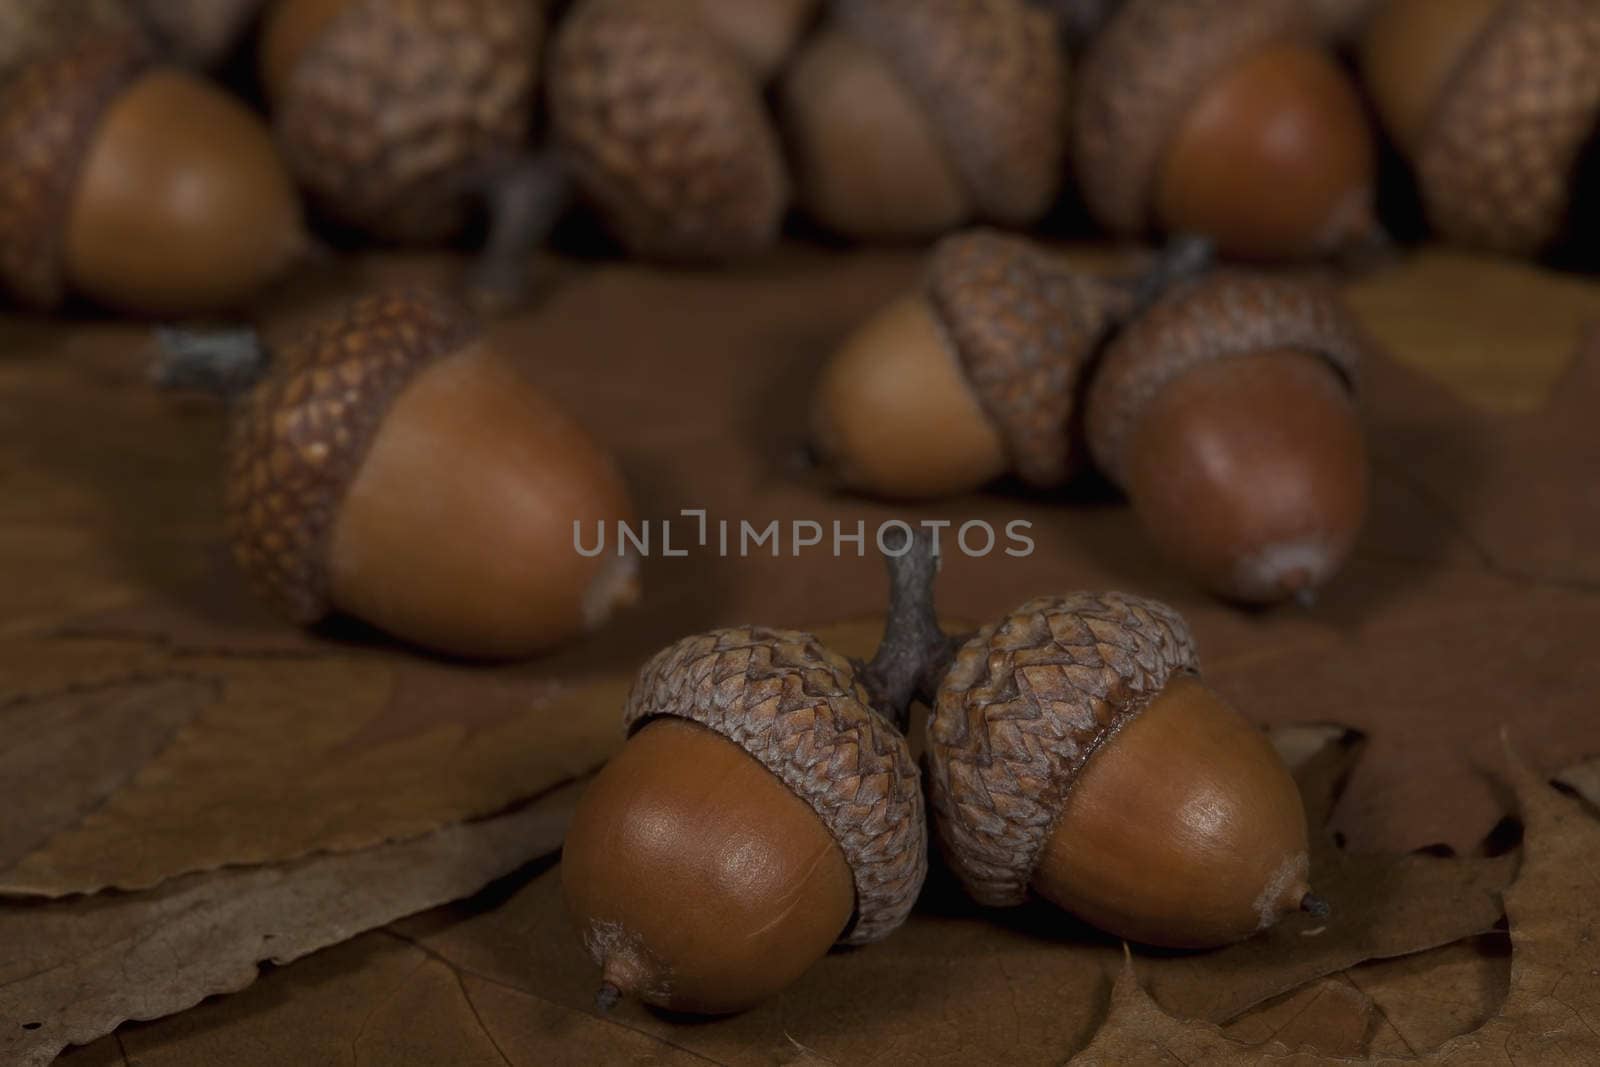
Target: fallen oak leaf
x,y
103,732
1428,998
1552,1013
330,754
1330,1016
72,971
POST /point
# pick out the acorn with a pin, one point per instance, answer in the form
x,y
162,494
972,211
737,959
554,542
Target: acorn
x,y
1226,412
397,114
1343,21
138,186
764,808
200,33
976,374
33,28
664,129
1075,755
393,464
1227,119
762,33
908,118
1495,103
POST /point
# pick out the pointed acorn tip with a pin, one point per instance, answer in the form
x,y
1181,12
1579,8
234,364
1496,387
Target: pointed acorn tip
x,y
1314,906
606,997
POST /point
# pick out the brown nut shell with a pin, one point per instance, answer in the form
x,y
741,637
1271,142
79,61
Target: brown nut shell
x,y
301,434
992,76
49,113
666,131
199,32
1497,161
1026,704
1224,314
390,112
1140,77
797,707
1025,328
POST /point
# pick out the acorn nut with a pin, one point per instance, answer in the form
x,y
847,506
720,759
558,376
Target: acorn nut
x,y
1226,413
976,374
1226,119
762,33
394,464
908,118
138,186
1074,754
761,812
1495,102
395,113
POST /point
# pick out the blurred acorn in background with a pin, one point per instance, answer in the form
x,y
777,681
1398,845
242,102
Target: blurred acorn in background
x,y
197,33
139,186
1227,119
396,114
1495,103
762,33
909,118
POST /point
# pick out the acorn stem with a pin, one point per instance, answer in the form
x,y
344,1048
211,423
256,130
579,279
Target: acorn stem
x,y
224,363
914,652
1314,906
526,197
1185,257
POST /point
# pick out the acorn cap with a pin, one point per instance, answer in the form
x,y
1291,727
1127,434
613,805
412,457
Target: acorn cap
x,y
1024,328
797,707
991,74
1139,79
1026,704
49,111
1498,159
33,28
666,131
1227,313
394,109
301,434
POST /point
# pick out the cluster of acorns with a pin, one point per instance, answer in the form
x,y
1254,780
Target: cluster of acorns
x,y
1221,401
148,189
767,804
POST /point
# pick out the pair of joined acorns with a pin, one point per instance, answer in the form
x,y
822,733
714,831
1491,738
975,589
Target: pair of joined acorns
x,y
768,804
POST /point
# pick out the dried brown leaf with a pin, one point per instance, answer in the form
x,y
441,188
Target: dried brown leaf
x,y
1428,998
1330,1016
1499,332
71,971
292,757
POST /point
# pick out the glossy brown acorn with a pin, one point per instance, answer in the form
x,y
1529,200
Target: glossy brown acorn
x,y
138,186
907,118
761,812
974,375
1074,754
1226,119
762,33
1494,102
1226,413
395,113
395,465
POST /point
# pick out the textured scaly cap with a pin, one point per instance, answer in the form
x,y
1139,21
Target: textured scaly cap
x,y
666,131
49,111
397,106
30,29
797,707
1498,158
991,74
1024,707
1228,313
1024,328
1141,76
303,431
